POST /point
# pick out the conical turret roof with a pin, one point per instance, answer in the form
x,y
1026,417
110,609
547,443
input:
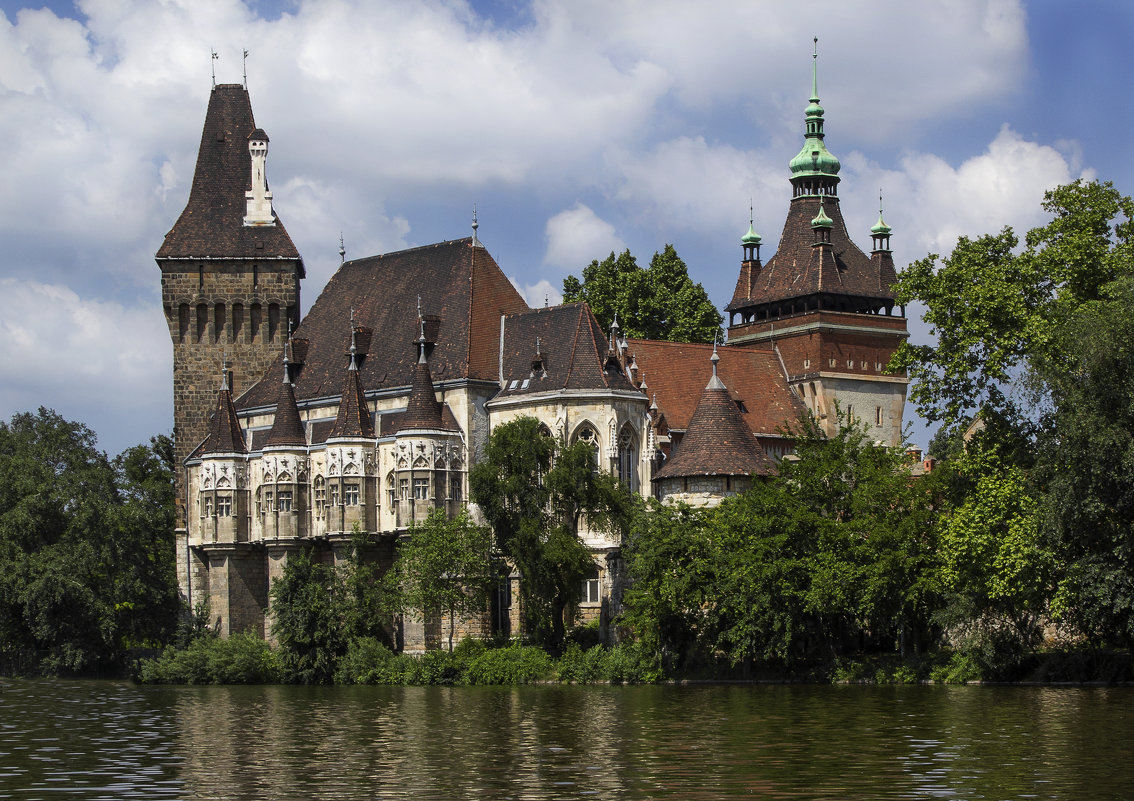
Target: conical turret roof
x,y
423,411
287,428
225,435
353,419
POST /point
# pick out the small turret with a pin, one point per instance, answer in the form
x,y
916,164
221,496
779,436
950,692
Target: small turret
x,y
258,199
880,232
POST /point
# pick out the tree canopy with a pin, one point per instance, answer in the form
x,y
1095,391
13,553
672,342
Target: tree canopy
x,y
535,492
660,302
86,547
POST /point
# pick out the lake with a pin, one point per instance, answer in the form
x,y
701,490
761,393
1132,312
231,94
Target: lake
x,y
104,739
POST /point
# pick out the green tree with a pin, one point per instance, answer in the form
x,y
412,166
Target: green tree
x,y
86,547
534,493
443,564
660,302
308,619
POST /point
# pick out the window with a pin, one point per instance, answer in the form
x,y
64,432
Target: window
x,y
391,492
590,590
588,435
333,499
350,494
878,415
455,487
626,456
320,498
283,501
268,507
403,488
224,506
420,489
207,506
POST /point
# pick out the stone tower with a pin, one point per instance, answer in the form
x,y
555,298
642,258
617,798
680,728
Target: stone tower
x,y
827,307
230,278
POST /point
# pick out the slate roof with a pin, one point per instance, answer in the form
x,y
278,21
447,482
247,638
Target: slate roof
x,y
225,435
287,428
212,224
353,420
573,352
457,282
754,375
717,442
796,271
423,411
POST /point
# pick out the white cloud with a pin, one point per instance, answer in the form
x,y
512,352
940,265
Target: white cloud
x,y
578,236
103,363
540,294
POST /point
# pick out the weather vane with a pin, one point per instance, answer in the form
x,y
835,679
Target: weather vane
x,y
213,64
246,70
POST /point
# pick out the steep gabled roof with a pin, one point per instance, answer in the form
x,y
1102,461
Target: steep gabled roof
x,y
225,435
212,224
795,271
717,441
675,373
456,281
572,352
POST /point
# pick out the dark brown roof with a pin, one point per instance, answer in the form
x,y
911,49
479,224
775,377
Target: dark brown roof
x,y
456,281
754,375
423,411
212,224
353,419
795,271
573,352
391,422
717,441
225,435
287,428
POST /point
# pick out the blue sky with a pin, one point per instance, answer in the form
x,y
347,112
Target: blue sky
x,y
576,128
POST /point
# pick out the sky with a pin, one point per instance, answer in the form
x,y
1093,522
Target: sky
x,y
576,128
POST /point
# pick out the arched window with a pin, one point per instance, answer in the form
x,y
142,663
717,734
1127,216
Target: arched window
x,y
627,456
587,433
320,489
391,489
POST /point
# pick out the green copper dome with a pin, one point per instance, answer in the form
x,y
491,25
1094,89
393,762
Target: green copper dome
x,y
814,158
751,238
821,219
880,228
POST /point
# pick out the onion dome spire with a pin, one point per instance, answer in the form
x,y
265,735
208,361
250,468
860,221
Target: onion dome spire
x,y
814,160
880,231
821,220
751,240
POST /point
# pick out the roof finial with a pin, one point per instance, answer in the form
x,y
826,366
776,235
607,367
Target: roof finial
x,y
286,360
353,347
546,300
419,306
224,371
814,72
342,249
213,64
537,353
475,225
421,341
246,69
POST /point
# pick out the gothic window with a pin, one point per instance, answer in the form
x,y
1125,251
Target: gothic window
x,y
586,433
391,492
333,495
350,494
207,507
455,488
320,497
420,489
268,507
224,506
237,322
878,415
403,488
283,501
627,456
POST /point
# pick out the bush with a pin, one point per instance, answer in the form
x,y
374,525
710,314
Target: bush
x,y
626,663
239,659
961,668
518,664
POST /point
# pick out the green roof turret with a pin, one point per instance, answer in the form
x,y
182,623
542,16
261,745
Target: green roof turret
x,y
814,159
880,228
821,219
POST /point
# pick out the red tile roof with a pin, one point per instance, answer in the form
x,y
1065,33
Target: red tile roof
x,y
212,224
456,282
717,442
675,373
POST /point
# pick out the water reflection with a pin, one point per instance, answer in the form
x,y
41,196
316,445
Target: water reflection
x,y
114,740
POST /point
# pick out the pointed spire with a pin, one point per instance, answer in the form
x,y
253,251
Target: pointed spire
x,y
814,170
342,249
287,428
225,435
815,72
715,382
423,411
475,226
353,342
880,228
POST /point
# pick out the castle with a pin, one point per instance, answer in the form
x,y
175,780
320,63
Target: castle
x,y
368,412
